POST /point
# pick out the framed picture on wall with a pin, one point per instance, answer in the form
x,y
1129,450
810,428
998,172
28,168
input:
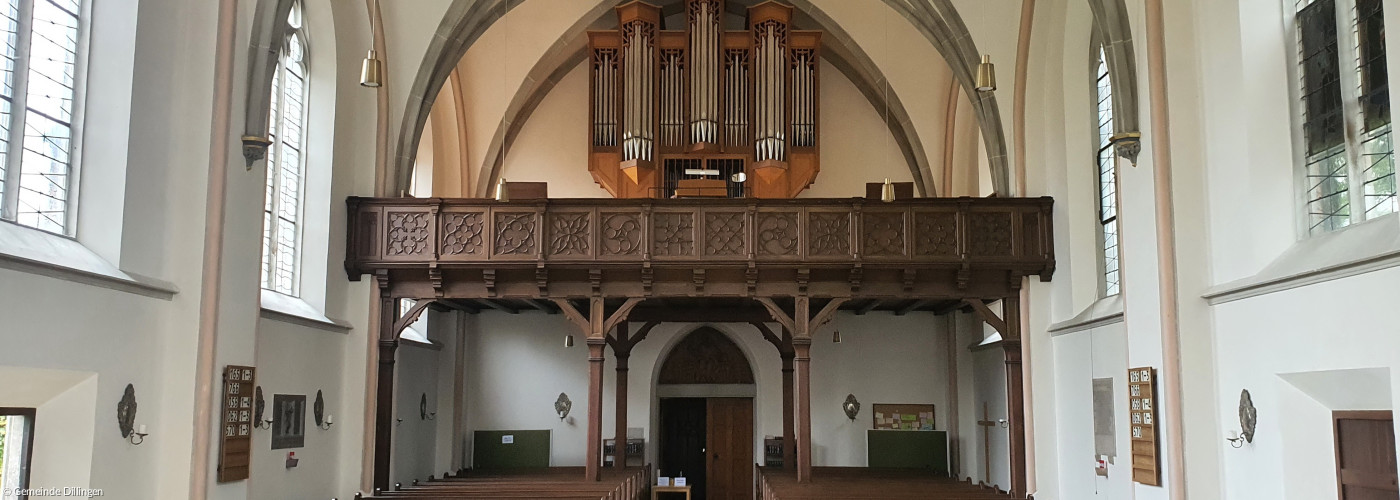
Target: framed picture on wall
x,y
289,421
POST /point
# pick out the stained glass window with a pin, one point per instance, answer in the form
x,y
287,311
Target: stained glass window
x,y
1106,178
38,90
1346,112
282,208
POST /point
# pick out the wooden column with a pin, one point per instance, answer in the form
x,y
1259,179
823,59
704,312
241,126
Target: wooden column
x,y
789,445
596,341
1015,393
384,394
620,440
802,386
595,326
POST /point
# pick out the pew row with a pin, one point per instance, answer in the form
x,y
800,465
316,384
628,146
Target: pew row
x,y
562,483
857,483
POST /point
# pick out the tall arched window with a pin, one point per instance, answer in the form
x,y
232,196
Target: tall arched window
x,y
282,211
38,89
1348,155
1106,177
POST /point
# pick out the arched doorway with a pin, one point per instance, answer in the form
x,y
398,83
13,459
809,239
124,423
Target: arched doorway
x,y
706,389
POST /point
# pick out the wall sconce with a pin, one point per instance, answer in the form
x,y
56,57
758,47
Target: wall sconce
x,y
258,406
318,410
851,407
562,406
139,436
568,341
836,336
423,413
1249,419
126,413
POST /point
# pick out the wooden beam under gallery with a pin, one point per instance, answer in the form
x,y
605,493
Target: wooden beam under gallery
x,y
543,306
913,306
869,305
499,306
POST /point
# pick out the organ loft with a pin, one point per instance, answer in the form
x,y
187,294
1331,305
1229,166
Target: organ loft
x,y
700,110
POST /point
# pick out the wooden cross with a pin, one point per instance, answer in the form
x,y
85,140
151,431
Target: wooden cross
x,y
986,423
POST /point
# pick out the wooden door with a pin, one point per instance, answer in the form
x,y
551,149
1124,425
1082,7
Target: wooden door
x,y
729,442
683,443
1365,455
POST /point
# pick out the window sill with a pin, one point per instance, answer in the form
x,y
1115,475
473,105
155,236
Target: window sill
x,y
287,309
1369,246
44,254
1103,312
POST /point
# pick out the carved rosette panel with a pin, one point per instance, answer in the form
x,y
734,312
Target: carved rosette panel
x,y
724,233
673,233
777,233
622,233
829,234
568,233
462,233
884,233
408,233
515,233
989,234
937,234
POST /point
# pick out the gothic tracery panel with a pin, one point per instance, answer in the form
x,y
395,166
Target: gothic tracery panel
x,y
991,234
777,233
569,233
937,234
408,233
884,233
515,233
673,234
724,233
829,234
621,233
462,233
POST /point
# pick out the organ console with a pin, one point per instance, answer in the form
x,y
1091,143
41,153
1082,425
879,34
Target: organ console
x,y
703,102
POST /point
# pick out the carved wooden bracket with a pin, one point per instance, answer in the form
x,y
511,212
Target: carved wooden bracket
x,y
622,343
778,313
595,317
411,316
988,316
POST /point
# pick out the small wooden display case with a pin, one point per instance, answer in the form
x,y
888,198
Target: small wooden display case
x,y
1142,401
635,452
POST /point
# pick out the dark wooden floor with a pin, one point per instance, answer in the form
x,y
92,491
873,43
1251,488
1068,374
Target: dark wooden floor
x,y
566,483
848,483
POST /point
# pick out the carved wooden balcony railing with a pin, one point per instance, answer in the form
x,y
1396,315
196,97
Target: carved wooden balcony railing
x,y
572,247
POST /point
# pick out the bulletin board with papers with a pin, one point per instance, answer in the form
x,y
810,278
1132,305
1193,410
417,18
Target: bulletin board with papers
x,y
903,417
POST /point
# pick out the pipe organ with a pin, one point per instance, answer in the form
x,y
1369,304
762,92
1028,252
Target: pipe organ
x,y
698,101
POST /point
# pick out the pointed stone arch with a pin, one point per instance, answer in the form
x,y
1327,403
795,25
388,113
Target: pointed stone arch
x,y
465,21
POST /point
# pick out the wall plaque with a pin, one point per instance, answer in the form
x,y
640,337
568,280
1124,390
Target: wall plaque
x,y
903,417
1142,398
236,431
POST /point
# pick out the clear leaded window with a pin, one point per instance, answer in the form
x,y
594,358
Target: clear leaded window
x,y
282,209
16,441
1349,156
38,89
1106,178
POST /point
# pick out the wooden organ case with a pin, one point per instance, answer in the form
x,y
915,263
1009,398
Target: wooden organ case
x,y
669,107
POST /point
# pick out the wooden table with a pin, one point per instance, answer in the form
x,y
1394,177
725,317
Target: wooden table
x,y
655,490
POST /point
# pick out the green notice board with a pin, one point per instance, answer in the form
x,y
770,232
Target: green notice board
x,y
498,450
908,450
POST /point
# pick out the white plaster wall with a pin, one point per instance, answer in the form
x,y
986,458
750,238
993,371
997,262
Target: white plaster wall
x,y
1295,331
882,358
517,366
1079,358
297,360
418,371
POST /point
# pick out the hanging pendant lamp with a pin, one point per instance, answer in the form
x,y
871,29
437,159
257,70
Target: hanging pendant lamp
x,y
371,72
986,75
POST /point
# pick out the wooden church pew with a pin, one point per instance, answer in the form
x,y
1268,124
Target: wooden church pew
x,y
555,483
850,483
